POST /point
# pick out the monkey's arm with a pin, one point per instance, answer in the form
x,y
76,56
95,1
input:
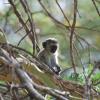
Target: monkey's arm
x,y
54,64
58,69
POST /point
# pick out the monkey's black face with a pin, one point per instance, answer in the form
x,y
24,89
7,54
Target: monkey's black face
x,y
50,45
53,48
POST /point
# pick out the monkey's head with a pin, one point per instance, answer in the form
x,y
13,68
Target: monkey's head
x,y
50,45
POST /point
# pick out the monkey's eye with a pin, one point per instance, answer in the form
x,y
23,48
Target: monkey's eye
x,y
53,48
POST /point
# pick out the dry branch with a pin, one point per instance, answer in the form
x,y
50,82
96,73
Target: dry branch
x,y
26,81
38,77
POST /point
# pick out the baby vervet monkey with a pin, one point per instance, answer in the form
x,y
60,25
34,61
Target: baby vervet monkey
x,y
49,54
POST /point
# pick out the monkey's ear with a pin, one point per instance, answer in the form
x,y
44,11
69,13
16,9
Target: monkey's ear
x,y
44,44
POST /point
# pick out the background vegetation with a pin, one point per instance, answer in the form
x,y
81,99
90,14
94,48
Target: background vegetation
x,y
87,22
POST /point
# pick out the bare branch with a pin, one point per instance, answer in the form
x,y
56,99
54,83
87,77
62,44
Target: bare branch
x,y
94,3
72,35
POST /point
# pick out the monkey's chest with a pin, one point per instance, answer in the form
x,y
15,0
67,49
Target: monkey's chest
x,y
50,61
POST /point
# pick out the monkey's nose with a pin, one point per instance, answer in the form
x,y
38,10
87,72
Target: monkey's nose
x,y
53,49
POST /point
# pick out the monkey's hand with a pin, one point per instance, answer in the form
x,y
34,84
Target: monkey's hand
x,y
57,70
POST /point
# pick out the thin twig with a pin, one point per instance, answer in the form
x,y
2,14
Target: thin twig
x,y
20,27
19,16
94,3
72,35
23,38
63,13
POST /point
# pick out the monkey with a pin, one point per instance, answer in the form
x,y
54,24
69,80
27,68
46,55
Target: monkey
x,y
48,54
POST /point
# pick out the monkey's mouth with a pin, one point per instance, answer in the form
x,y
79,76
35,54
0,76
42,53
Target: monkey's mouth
x,y
53,49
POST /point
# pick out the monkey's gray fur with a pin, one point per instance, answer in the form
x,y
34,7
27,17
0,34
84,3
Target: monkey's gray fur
x,y
48,54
